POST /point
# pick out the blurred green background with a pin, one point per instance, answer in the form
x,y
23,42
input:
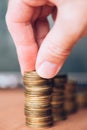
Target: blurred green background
x,y
77,61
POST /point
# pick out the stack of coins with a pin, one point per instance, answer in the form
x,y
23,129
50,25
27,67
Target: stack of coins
x,y
38,97
86,93
82,94
58,97
70,97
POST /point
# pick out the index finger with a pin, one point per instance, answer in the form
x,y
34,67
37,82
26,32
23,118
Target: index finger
x,y
18,18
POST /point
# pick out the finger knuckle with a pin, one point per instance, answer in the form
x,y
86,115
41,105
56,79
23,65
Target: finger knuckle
x,y
58,52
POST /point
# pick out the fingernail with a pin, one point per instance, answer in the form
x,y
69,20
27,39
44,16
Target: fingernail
x,y
48,70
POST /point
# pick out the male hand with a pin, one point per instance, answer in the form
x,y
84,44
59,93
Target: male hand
x,y
38,47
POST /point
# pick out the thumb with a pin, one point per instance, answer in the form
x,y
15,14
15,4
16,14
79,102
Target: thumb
x,y
55,49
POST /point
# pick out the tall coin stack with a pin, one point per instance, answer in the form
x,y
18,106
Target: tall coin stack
x,y
38,97
70,100
58,97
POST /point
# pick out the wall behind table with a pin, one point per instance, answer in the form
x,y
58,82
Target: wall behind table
x,y
8,57
77,61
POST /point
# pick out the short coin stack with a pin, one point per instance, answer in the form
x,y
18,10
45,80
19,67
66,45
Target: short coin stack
x,y
70,94
58,97
38,96
82,94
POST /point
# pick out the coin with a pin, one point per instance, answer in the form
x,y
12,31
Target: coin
x,y
70,97
58,97
46,125
35,112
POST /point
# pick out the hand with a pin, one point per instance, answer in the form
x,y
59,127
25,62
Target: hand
x,y
37,47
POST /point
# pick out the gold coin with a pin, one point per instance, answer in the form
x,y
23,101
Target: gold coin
x,y
36,106
38,113
40,119
57,103
33,83
49,124
40,93
41,88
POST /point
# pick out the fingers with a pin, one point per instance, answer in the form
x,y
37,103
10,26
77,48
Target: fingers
x,y
41,30
35,3
54,14
18,19
42,25
57,46
52,54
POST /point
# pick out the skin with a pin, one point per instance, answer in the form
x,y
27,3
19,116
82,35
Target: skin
x,y
38,47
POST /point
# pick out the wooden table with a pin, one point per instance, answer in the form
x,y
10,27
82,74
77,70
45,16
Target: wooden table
x,y
12,114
